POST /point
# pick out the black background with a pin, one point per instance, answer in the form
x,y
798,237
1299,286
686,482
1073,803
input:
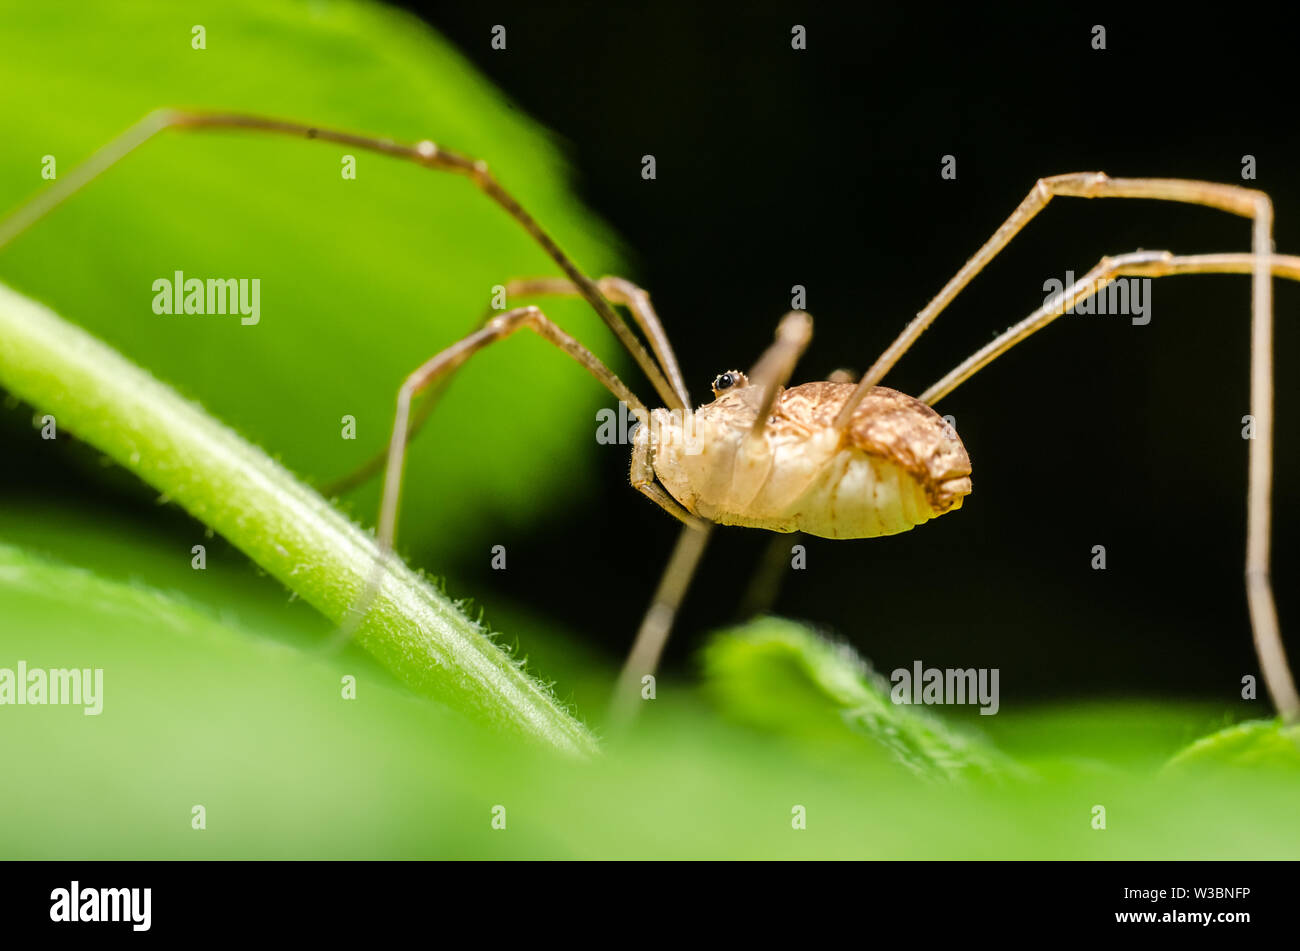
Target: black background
x,y
821,167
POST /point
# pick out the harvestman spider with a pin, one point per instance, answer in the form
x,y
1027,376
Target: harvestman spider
x,y
836,459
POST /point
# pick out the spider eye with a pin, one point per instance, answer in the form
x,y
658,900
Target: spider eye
x,y
724,382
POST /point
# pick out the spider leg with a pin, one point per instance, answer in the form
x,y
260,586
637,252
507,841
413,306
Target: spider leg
x,y
765,584
619,291
1234,199
774,368
1259,589
437,370
425,153
375,464
1135,264
433,374
657,624
615,289
771,372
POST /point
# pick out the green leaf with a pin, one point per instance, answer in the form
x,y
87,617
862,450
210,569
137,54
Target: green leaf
x,y
1255,744
361,280
780,676
293,533
200,711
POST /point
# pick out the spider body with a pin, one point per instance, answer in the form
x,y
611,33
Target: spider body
x,y
897,465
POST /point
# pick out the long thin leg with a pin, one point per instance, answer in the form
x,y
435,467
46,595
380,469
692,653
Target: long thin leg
x,y
618,291
772,371
615,289
1234,199
656,494
775,366
765,583
436,369
1136,264
375,464
658,621
1259,590
424,153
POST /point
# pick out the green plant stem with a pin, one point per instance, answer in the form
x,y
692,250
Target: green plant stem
x,y
280,523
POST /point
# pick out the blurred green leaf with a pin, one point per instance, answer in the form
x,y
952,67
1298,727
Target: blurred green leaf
x,y
1256,744
199,711
781,676
231,486
361,280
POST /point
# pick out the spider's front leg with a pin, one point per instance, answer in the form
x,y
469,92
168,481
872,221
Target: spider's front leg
x,y
616,289
435,371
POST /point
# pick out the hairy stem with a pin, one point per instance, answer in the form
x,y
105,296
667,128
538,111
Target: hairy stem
x,y
284,526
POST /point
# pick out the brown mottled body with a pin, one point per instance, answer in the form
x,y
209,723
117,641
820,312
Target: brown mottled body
x,y
896,466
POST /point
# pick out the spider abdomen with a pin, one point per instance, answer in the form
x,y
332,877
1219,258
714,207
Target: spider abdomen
x,y
850,494
897,466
